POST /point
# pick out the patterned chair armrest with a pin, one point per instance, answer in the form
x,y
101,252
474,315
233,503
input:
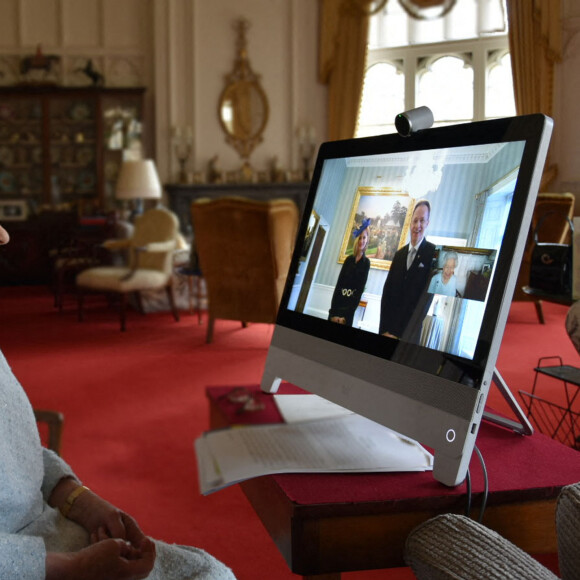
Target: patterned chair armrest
x,y
449,547
568,529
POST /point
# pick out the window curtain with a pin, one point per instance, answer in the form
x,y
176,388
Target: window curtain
x,y
535,47
342,57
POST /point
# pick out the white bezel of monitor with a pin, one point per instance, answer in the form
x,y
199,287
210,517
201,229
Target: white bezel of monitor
x,y
434,396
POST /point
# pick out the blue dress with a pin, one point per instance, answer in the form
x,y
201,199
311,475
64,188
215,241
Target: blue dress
x,y
437,286
29,527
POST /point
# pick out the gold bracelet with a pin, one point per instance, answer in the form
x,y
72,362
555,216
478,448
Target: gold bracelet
x,y
70,500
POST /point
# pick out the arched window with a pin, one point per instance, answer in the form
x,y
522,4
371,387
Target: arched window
x,y
445,85
499,99
383,98
457,65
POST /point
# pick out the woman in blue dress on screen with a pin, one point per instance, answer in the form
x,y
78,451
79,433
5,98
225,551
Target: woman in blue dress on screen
x,y
352,278
445,281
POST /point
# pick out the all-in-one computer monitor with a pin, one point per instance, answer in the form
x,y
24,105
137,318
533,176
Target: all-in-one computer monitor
x,y
416,353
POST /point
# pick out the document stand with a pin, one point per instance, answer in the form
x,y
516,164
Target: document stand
x,y
523,427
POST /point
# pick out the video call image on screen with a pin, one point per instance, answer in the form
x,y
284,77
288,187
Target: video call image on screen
x,y
451,204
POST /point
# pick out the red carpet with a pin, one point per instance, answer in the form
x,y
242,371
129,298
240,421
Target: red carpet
x,y
134,402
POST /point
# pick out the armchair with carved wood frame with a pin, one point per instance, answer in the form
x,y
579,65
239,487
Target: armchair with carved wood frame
x,y
150,266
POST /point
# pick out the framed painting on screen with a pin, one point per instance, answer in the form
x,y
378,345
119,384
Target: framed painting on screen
x,y
390,213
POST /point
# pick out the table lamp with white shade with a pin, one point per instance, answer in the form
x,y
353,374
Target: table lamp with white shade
x,y
138,180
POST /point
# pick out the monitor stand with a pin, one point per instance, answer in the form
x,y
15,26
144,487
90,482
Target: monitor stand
x,y
524,427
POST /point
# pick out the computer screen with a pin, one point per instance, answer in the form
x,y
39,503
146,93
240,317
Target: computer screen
x,y
402,276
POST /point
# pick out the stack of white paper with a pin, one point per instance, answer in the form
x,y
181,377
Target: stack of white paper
x,y
346,443
298,408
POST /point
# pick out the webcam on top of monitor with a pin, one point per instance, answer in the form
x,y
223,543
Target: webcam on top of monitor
x,y
414,120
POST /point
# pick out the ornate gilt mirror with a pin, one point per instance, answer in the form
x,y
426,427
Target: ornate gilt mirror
x,y
243,106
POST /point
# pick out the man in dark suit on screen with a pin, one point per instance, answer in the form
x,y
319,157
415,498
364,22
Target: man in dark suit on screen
x,y
407,281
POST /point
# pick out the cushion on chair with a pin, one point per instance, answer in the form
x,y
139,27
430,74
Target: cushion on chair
x,y
456,547
114,279
568,529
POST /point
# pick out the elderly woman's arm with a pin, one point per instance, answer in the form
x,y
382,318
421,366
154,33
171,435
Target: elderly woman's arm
x,y
114,559
62,490
25,558
120,550
55,470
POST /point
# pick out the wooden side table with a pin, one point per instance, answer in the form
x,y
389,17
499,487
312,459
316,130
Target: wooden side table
x,y
325,524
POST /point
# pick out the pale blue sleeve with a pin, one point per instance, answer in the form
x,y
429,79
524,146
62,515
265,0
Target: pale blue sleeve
x,y
22,557
55,469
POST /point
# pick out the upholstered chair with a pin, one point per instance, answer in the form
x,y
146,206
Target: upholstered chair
x,y
451,546
244,248
150,263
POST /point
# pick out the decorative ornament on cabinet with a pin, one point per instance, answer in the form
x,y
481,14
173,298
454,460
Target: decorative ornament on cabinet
x,y
214,171
40,68
88,70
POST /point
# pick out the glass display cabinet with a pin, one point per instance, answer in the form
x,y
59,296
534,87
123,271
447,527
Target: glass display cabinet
x,y
64,146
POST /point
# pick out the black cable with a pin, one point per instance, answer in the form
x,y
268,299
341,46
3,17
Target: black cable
x,y
485,484
468,486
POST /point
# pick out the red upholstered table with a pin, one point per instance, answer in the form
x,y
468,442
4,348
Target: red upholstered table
x,y
325,524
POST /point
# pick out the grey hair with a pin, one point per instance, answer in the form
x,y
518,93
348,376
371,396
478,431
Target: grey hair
x,y
451,255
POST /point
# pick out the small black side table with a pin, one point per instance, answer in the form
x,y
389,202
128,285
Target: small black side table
x,y
557,421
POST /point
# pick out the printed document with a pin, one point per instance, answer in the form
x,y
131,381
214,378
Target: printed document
x,y
347,443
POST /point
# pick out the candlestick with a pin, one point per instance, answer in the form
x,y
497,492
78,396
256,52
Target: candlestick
x,y
182,138
307,145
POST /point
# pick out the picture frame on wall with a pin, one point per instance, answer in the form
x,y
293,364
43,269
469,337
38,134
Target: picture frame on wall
x,y
13,210
390,213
